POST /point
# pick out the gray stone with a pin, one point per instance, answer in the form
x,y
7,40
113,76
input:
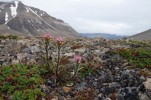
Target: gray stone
x,y
34,49
31,61
143,96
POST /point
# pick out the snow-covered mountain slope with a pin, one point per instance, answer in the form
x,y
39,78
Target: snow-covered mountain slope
x,y
17,18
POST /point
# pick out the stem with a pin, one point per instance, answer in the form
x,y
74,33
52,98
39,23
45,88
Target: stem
x,y
76,70
46,49
58,62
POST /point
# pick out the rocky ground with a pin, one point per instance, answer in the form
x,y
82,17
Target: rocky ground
x,y
113,78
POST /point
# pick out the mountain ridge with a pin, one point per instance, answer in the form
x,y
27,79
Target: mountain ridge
x,y
17,18
145,35
103,35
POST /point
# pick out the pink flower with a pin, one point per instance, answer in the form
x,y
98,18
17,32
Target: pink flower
x,y
47,36
60,40
77,58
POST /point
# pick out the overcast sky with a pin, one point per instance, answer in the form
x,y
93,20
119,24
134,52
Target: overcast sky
x,y
124,17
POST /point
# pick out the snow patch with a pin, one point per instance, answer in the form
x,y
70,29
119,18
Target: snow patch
x,y
41,14
14,8
38,30
28,20
6,17
34,12
13,11
0,10
65,24
27,10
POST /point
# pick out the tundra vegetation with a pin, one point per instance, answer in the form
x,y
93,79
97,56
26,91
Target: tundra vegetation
x,y
23,81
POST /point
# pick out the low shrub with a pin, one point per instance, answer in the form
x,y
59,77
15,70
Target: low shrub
x,y
9,37
136,57
21,82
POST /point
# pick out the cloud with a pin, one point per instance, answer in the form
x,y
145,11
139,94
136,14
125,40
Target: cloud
x,y
87,25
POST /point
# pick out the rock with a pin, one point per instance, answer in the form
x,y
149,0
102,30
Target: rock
x,y
106,99
69,84
129,93
104,50
114,85
98,60
105,76
43,99
2,46
100,95
69,54
34,49
45,89
52,81
81,86
26,50
120,97
55,98
80,50
143,96
31,62
21,56
97,52
15,61
66,89
147,84
125,74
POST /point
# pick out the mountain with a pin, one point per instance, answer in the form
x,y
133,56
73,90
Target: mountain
x,y
103,35
146,35
20,19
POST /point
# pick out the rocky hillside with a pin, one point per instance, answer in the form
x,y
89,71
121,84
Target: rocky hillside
x,y
146,35
17,18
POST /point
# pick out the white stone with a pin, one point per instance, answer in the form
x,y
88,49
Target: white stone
x,y
69,54
81,50
15,61
147,84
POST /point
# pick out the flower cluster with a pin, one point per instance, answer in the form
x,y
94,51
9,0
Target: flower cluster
x,y
77,58
47,36
60,40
